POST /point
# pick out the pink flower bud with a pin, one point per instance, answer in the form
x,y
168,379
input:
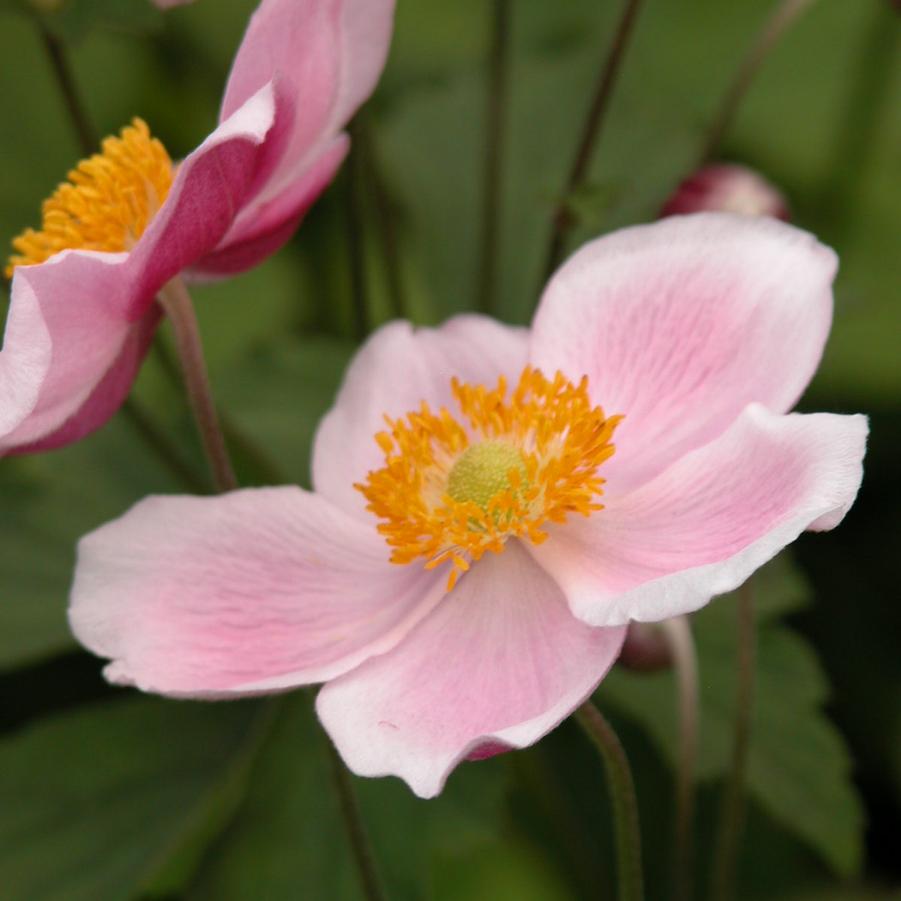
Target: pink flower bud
x,y
645,649
727,188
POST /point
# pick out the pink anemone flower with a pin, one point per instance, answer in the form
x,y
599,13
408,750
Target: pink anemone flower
x,y
482,530
83,309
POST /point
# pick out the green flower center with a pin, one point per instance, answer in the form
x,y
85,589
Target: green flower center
x,y
483,472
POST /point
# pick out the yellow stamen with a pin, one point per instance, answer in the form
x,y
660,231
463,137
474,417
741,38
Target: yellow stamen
x,y
107,202
449,492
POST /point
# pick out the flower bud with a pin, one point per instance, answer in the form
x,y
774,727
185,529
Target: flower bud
x,y
645,649
727,188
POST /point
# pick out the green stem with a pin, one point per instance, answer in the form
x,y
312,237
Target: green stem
x,y
685,660
494,151
731,819
265,468
176,301
65,81
624,802
785,13
591,131
356,829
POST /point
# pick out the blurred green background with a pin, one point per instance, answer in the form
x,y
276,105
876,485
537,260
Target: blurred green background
x,y
108,795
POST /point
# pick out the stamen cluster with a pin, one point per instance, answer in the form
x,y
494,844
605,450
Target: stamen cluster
x,y
107,202
562,439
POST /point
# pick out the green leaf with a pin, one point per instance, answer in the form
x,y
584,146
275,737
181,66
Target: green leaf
x,y
498,869
95,802
799,768
288,839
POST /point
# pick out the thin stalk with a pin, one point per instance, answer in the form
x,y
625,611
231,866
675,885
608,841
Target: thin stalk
x,y
356,829
355,247
176,301
685,660
732,808
591,132
785,13
622,794
235,437
494,152
65,80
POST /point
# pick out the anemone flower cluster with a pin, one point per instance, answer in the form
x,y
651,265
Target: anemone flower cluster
x,y
128,220
493,505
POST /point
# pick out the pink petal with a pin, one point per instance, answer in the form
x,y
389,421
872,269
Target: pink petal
x,y
393,373
499,663
69,355
681,324
257,590
105,398
702,527
326,56
262,228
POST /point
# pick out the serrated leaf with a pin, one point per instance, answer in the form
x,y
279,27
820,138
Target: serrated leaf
x,y
799,768
94,802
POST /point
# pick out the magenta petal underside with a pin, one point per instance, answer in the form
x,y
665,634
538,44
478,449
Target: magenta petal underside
x,y
499,663
325,57
255,591
262,228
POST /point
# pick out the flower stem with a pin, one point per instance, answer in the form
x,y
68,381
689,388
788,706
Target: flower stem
x,y
494,151
62,72
591,132
732,806
176,302
356,830
779,21
622,793
684,656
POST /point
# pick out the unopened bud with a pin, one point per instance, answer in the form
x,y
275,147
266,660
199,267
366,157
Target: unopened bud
x,y
727,188
645,649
